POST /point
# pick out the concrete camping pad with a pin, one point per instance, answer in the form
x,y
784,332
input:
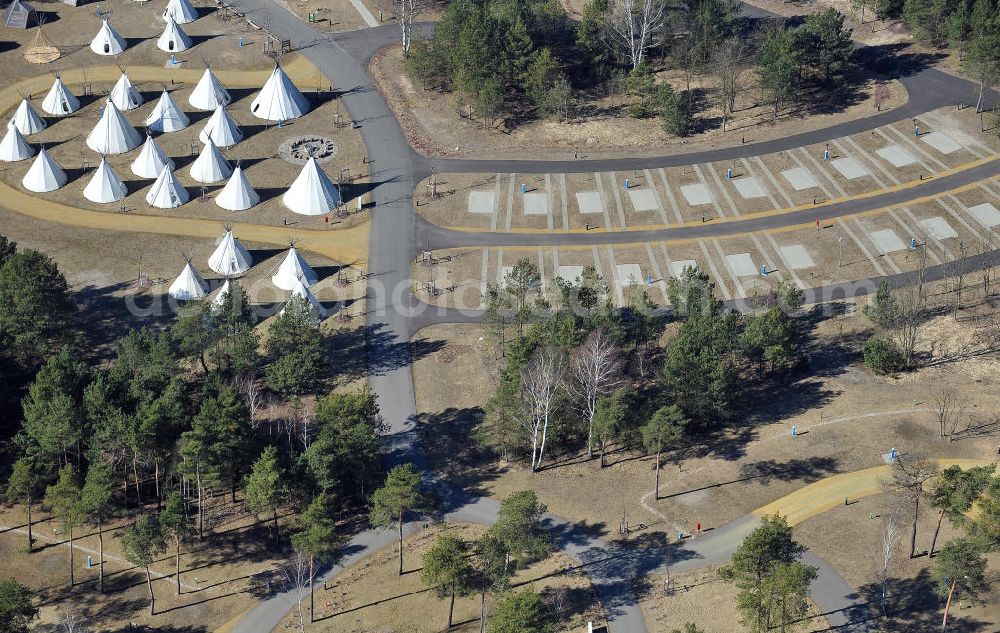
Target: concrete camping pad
x,y
741,264
642,199
896,155
589,202
536,204
749,187
941,142
986,214
887,241
481,201
799,178
696,194
849,168
797,257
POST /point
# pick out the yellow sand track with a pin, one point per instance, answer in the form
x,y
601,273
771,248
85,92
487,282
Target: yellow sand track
x,y
828,493
343,245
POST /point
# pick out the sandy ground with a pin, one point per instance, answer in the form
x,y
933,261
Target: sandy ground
x,y
434,127
370,596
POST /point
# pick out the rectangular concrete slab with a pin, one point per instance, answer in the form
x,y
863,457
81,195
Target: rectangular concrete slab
x,y
799,178
481,202
642,199
797,257
677,267
630,274
741,264
887,241
896,155
941,142
849,168
589,202
986,214
536,204
571,273
749,187
696,194
938,228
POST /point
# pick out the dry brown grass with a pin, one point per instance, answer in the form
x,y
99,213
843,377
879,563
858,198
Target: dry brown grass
x,y
370,596
433,126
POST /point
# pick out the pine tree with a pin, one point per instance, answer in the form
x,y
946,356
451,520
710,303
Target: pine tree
x,y
63,499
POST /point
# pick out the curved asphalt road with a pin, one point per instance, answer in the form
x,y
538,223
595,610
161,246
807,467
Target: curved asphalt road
x,y
395,231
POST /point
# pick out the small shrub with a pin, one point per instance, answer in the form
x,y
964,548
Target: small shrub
x,y
882,355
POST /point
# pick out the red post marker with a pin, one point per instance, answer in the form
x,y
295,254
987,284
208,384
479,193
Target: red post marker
x,y
817,223
326,219
698,526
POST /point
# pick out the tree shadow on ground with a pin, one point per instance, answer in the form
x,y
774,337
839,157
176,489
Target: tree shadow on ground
x,y
913,606
896,60
447,439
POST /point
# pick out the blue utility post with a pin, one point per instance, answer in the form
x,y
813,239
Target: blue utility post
x,y
241,41
763,270
524,188
729,173
627,183
795,431
892,455
913,243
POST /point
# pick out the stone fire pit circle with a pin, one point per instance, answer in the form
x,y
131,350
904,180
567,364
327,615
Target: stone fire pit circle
x,y
298,149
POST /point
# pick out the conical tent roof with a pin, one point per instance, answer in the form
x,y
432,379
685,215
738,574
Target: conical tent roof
x,y
211,165
27,120
220,297
44,174
230,258
113,134
181,11
151,160
60,101
209,93
173,39
279,99
312,193
188,285
13,147
293,270
124,95
105,185
314,305
166,116
107,41
222,129
237,195
166,192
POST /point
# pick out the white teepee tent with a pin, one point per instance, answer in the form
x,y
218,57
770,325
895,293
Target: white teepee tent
x,y
151,160
166,116
27,120
188,285
209,93
105,185
124,95
230,258
13,147
237,195
166,192
312,193
294,270
113,134
181,11
60,100
173,39
221,128
220,297
211,165
107,41
315,307
279,99
44,174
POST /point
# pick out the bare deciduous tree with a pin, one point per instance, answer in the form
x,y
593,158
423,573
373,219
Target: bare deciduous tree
x,y
909,475
729,65
297,584
947,411
888,546
541,380
596,366
404,11
253,395
632,25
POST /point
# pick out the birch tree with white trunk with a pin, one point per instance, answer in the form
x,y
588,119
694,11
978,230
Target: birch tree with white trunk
x,y
888,547
541,380
596,367
632,27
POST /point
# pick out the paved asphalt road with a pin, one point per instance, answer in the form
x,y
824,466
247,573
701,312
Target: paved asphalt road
x,y
396,233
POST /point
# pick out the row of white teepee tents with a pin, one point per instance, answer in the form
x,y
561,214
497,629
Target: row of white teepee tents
x,y
231,259
109,42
